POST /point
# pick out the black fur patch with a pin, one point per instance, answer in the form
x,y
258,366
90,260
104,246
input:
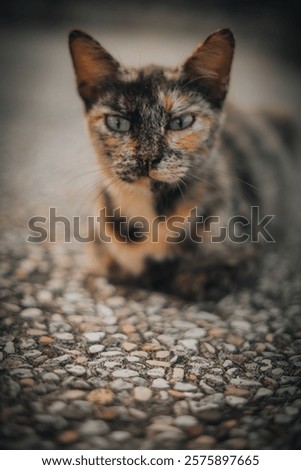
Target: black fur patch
x,y
166,196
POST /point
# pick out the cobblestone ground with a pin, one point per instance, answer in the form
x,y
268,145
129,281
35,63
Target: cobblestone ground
x,y
118,368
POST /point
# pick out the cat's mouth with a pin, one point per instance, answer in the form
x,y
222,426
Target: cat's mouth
x,y
147,172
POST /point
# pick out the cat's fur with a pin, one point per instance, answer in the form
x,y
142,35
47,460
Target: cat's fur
x,y
220,165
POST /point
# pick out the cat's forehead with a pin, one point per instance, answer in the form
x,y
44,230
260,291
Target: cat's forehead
x,y
148,87
150,82
151,72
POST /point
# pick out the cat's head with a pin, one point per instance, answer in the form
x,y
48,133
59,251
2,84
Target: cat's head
x,y
153,123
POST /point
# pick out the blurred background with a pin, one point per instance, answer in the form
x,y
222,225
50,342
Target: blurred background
x,y
46,158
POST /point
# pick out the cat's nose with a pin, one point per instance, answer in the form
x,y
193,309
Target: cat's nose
x,y
155,162
145,165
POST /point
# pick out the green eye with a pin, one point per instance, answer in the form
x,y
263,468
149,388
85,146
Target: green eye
x,y
181,122
118,123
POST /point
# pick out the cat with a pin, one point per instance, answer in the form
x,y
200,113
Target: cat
x,y
178,166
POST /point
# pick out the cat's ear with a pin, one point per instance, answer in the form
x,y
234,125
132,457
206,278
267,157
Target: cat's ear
x,y
93,65
210,65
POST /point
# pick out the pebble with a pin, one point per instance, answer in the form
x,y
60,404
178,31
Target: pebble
x,y
277,372
263,393
35,332
125,373
57,407
9,348
185,421
239,382
101,396
296,360
27,343
183,324
191,344
213,379
111,364
94,336
241,326
27,382
288,391
237,392
160,384
160,426
46,340
156,372
119,385
44,296
177,374
112,353
209,347
51,377
206,388
185,387
78,371
22,373
235,400
169,438
72,394
158,363
93,427
217,332
12,388
64,336
167,340
56,422
203,443
31,313
129,346
151,347
283,418
142,393
133,359
207,409
195,333
68,437
128,328
96,348
121,436
62,360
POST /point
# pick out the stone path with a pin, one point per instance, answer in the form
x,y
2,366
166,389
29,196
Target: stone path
x,y
122,369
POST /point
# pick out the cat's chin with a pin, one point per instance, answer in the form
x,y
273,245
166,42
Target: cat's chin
x,y
163,178
145,181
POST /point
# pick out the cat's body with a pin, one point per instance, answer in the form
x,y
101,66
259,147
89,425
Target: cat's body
x,y
176,166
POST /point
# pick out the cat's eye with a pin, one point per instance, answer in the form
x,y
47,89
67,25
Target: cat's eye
x,y
118,123
181,122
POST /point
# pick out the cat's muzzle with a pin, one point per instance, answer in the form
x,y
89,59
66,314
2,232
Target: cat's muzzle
x,y
146,165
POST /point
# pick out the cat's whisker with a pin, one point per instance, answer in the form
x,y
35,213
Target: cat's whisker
x,y
72,179
178,185
93,192
229,174
85,200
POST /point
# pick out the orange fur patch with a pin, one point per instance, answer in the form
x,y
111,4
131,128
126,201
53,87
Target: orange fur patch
x,y
189,142
168,103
